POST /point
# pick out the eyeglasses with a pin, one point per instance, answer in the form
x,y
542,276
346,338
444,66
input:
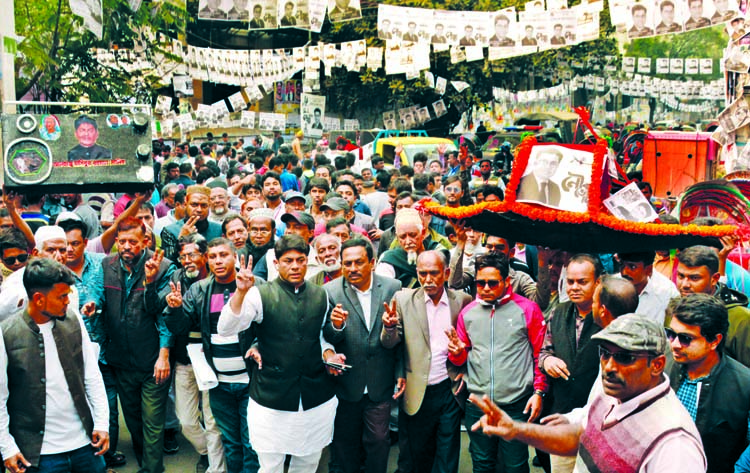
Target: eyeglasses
x,y
492,283
11,260
190,256
453,189
623,358
256,231
683,338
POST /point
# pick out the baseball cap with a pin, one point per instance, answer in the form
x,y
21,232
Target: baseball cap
x,y
634,332
300,217
289,195
335,203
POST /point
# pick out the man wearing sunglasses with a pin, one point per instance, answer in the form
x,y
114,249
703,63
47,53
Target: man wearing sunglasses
x,y
638,423
698,272
713,387
497,341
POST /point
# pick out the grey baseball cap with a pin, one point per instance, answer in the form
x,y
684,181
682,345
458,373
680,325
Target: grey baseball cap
x,y
634,332
289,195
300,217
335,203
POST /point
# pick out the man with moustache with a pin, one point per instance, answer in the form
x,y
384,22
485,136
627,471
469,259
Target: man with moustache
x,y
327,252
198,313
205,437
400,263
713,387
569,357
292,403
138,345
365,393
417,320
637,423
196,221
271,189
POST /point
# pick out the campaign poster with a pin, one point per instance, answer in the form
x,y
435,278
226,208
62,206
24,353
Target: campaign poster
x,y
344,10
263,14
293,14
312,111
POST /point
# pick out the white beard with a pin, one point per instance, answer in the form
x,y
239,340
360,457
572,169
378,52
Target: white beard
x,y
221,211
411,257
192,274
330,268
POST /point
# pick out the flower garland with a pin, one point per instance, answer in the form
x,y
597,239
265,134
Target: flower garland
x,y
596,212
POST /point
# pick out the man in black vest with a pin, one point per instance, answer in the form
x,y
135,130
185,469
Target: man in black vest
x,y
292,403
713,387
53,406
138,345
568,355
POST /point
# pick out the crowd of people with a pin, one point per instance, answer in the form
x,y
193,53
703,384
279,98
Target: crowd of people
x,y
265,302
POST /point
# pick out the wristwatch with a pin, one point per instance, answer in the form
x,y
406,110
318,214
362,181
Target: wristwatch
x,y
540,393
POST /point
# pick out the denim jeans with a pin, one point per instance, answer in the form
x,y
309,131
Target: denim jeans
x,y
229,405
484,448
81,460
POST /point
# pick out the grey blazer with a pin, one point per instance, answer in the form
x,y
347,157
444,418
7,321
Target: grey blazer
x,y
373,365
414,332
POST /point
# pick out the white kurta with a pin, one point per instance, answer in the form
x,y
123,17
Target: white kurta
x,y
297,433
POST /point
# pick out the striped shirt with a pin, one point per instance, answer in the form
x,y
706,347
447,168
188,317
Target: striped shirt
x,y
226,353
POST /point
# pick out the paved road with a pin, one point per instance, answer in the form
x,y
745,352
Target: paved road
x,y
184,461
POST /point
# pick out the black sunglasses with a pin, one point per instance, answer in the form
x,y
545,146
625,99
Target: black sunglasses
x,y
492,283
11,260
683,338
623,358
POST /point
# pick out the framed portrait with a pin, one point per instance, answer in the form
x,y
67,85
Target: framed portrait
x,y
556,176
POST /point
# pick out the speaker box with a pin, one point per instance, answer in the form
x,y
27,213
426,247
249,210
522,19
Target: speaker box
x,y
77,153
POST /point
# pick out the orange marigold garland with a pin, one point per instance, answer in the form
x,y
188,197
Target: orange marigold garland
x,y
596,212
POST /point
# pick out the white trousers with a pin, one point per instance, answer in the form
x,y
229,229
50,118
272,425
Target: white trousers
x,y
206,440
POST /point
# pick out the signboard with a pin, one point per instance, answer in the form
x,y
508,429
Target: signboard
x,y
78,153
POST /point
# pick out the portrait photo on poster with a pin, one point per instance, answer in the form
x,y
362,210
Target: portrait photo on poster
x,y
557,177
312,111
630,204
344,10
211,10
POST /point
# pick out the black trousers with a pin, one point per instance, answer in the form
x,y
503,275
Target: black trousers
x,y
435,431
362,428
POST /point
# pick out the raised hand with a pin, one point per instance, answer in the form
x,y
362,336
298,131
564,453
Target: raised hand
x,y
151,268
88,309
174,298
441,149
390,316
494,421
245,276
189,227
455,345
339,316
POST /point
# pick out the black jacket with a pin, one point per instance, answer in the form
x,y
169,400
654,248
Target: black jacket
x,y
723,409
